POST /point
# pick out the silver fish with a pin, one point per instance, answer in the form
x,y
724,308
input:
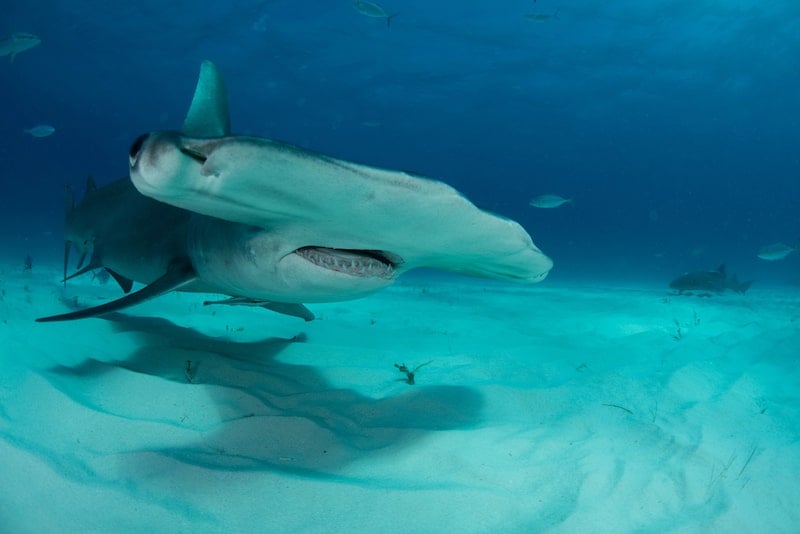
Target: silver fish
x,y
775,251
371,9
549,201
16,43
542,17
40,130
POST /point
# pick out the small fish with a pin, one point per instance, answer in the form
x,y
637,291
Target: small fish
x,y
542,17
41,130
549,201
775,251
371,9
16,43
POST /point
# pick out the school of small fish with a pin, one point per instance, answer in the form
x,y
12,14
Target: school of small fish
x,y
11,46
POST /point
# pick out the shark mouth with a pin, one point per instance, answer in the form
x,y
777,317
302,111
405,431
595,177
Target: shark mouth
x,y
359,263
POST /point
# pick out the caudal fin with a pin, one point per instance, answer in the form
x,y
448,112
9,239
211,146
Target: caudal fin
x,y
740,287
743,287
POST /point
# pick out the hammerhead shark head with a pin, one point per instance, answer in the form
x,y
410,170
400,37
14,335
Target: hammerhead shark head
x,y
270,223
332,229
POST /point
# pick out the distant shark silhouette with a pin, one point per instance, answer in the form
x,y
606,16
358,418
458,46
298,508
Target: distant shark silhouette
x,y
266,222
711,281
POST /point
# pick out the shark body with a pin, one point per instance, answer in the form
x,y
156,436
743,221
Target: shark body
x,y
716,281
320,210
18,42
137,239
267,222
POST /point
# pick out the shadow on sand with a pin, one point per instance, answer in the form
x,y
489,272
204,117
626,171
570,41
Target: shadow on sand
x,y
271,415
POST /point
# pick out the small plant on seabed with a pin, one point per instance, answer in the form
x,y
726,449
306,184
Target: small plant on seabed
x,y
190,371
410,374
718,474
677,335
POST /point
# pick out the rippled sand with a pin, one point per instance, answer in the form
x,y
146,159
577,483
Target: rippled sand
x,y
545,408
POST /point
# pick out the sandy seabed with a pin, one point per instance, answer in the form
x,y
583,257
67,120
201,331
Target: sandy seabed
x,y
557,407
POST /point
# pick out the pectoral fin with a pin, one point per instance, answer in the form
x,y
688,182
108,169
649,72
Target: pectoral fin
x,y
125,283
178,275
295,310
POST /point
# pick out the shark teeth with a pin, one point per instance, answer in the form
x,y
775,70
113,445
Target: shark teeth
x,y
367,264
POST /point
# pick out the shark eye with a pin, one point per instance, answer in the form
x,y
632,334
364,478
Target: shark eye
x,y
136,147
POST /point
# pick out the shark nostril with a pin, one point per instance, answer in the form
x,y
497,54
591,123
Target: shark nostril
x,y
136,147
194,154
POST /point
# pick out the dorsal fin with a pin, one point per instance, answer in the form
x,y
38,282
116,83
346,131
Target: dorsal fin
x,y
208,115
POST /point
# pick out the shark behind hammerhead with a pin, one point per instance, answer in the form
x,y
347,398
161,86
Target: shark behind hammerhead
x,y
268,222
136,238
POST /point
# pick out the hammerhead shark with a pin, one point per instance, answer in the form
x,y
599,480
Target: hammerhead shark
x,y
276,225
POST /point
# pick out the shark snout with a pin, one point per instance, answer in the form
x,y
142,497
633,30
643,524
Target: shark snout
x,y
151,146
136,149
157,164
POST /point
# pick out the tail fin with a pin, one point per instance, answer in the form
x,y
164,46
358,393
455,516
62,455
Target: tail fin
x,y
739,287
743,287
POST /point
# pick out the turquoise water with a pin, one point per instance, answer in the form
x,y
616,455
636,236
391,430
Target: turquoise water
x,y
597,397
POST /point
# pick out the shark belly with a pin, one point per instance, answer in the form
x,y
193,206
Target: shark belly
x,y
245,260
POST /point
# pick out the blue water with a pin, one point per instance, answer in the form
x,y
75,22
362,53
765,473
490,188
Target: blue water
x,y
675,126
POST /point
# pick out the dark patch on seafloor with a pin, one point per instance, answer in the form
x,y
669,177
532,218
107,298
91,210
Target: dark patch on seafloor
x,y
279,416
